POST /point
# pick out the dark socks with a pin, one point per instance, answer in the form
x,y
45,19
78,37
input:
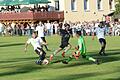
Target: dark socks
x,y
102,51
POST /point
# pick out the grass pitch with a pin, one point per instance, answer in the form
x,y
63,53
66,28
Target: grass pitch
x,y
15,64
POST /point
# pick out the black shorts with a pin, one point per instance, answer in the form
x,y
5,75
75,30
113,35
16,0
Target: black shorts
x,y
43,38
42,56
63,45
102,41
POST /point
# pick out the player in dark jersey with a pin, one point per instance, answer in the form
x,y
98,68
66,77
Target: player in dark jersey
x,y
65,36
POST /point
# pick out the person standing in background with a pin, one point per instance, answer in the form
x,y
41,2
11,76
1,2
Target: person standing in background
x,y
41,33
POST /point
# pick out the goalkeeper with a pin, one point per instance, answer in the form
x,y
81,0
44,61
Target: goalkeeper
x,y
81,50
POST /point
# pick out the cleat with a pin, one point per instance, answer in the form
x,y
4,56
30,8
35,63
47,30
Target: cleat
x,y
104,54
100,53
63,54
64,62
97,62
51,57
76,48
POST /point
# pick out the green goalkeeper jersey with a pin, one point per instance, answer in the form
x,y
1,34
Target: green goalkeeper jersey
x,y
81,43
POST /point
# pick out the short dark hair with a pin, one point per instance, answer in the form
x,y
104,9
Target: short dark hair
x,y
35,32
102,24
78,32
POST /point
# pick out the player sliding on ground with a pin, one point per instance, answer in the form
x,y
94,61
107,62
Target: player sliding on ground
x,y
81,50
37,43
65,33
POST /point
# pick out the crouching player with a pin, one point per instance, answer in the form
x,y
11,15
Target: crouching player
x,y
37,43
81,50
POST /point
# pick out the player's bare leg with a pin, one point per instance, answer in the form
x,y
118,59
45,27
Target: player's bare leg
x,y
56,52
66,49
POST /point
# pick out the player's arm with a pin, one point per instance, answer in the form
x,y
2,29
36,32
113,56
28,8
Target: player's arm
x,y
70,32
26,45
77,47
105,31
93,34
36,29
44,29
78,50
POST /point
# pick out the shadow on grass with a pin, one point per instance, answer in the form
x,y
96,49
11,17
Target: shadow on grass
x,y
21,70
30,67
110,59
85,75
103,59
3,42
108,52
113,52
19,60
112,55
13,44
113,79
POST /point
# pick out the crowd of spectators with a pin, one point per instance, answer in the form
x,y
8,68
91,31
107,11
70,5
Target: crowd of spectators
x,y
22,29
9,9
51,28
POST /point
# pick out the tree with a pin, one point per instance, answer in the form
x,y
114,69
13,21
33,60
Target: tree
x,y
117,6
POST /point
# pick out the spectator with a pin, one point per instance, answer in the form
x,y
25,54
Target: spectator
x,y
1,28
48,28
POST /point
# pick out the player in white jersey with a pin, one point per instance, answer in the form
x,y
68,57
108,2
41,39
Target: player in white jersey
x,y
100,33
41,33
37,45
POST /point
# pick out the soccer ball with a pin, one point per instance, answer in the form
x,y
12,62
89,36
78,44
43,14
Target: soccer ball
x,y
45,61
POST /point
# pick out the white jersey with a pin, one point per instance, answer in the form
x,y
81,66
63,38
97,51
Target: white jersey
x,y
1,27
35,42
96,24
48,26
100,32
40,30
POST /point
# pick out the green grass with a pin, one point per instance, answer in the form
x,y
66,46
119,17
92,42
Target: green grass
x,y
15,64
